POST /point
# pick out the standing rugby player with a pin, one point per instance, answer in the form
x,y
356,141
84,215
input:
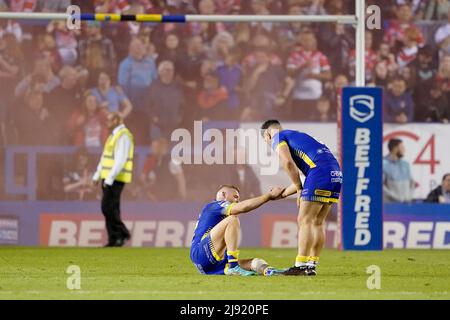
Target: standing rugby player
x,y
299,151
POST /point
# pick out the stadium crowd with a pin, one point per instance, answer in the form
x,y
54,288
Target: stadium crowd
x,y
57,86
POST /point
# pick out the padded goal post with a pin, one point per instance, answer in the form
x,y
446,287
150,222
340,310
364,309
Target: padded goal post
x,y
360,213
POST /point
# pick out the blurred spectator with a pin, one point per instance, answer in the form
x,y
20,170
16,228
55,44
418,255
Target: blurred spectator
x,y
46,48
242,36
335,7
207,66
136,73
312,6
231,77
114,6
260,42
166,99
443,74
205,30
112,98
406,74
222,43
190,64
227,6
387,57
87,127
144,35
398,103
371,59
171,51
437,10
42,72
264,86
309,67
162,178
395,33
67,97
52,5
340,81
11,62
77,179
65,40
398,185
418,7
409,49
212,98
442,37
422,68
96,52
323,112
338,41
33,122
260,7
434,106
19,5
11,26
85,6
442,193
287,32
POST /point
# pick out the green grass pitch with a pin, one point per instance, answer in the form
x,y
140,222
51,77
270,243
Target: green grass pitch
x,y
166,273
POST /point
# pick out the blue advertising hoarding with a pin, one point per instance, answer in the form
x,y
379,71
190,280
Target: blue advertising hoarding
x,y
361,157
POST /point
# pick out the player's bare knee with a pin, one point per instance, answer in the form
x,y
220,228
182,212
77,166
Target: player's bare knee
x,y
318,222
234,221
303,220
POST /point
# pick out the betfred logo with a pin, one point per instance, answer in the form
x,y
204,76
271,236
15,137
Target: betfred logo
x,y
72,230
416,234
362,107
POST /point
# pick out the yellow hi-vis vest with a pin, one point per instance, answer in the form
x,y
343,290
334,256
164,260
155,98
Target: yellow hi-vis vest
x,y
107,161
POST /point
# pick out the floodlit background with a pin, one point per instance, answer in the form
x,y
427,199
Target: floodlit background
x,y
57,87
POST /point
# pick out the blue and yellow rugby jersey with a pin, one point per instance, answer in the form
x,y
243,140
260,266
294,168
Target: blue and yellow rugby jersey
x,y
307,152
211,215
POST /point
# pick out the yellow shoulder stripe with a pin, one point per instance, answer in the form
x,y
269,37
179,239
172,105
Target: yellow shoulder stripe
x,y
228,210
282,143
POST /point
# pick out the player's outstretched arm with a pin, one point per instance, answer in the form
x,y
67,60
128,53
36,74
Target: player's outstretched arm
x,y
253,203
289,191
289,165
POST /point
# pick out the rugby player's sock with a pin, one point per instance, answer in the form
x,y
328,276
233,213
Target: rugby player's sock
x,y
301,261
312,261
233,258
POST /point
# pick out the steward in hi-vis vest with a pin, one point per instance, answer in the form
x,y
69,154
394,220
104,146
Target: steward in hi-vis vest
x,y
115,169
109,158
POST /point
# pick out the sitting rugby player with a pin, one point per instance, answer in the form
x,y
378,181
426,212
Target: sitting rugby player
x,y
214,248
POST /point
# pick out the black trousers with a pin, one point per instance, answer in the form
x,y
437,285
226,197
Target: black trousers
x,y
111,210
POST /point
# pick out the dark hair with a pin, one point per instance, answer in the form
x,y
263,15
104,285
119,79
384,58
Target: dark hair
x,y
393,143
266,125
397,77
445,176
231,186
426,50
